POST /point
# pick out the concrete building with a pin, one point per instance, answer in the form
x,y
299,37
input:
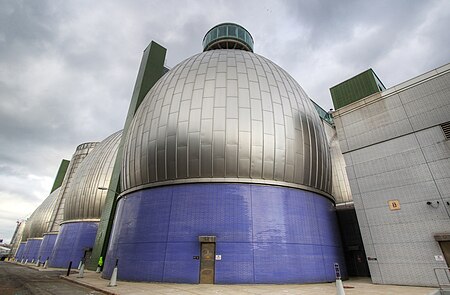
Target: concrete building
x,y
396,147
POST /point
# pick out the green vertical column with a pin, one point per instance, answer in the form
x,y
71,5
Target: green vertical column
x,y
60,175
150,71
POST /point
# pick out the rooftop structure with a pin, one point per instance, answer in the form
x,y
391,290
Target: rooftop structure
x,y
228,36
355,88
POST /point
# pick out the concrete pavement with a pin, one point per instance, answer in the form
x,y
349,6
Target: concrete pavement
x,y
16,279
354,286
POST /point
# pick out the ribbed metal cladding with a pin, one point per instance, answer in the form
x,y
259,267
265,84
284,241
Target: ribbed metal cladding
x,y
340,185
17,238
38,222
227,116
81,152
85,200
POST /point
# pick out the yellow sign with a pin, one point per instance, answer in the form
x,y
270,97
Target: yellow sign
x,y
394,204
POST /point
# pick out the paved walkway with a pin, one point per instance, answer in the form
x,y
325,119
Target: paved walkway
x,y
354,286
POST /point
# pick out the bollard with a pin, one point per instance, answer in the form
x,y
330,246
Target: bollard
x,y
113,281
339,285
68,269
38,263
81,273
21,261
79,264
46,263
26,261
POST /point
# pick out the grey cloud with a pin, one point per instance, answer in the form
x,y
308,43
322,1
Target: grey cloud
x,y
68,68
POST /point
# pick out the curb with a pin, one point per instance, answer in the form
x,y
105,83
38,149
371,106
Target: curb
x,y
87,285
30,266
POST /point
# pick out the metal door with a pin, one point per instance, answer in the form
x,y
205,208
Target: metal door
x,y
445,247
207,257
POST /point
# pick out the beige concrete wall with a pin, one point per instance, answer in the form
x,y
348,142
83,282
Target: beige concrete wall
x,y
395,149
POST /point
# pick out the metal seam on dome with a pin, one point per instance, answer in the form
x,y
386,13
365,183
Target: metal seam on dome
x,y
224,181
81,220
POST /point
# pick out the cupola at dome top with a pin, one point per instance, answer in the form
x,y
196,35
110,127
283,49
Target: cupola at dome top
x,y
228,36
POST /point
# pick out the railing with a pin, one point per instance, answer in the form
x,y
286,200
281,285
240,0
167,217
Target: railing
x,y
443,286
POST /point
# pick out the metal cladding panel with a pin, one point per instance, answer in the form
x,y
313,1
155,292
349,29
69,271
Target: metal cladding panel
x,y
202,120
340,184
20,250
17,238
46,248
39,220
265,234
58,213
73,239
85,200
32,249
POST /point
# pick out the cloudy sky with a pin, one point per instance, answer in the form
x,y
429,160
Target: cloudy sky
x,y
67,68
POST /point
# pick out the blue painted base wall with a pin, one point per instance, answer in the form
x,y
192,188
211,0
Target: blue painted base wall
x,y
72,240
45,251
265,234
20,250
32,249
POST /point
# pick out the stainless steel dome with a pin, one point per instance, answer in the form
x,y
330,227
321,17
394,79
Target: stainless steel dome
x,y
38,223
85,200
227,116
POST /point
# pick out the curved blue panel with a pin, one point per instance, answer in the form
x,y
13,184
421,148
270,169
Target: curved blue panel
x,y
32,249
73,239
45,251
265,234
20,250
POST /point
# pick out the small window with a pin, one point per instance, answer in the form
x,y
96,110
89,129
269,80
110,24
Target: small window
x,y
232,31
446,128
241,34
222,31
